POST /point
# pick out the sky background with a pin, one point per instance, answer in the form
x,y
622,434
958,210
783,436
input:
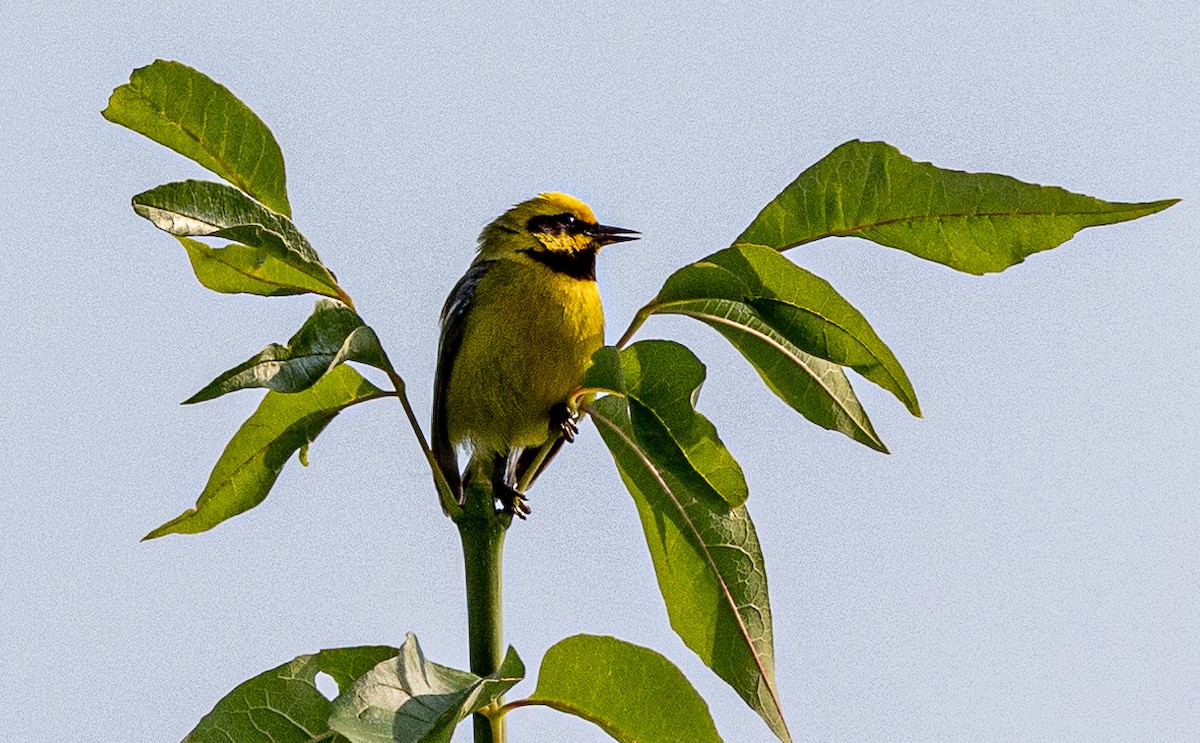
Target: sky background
x,y
1024,566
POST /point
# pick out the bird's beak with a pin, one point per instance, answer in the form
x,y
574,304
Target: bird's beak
x,y
607,235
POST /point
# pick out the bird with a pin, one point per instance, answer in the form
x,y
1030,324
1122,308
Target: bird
x,y
517,333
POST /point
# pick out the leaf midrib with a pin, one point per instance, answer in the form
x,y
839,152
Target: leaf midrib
x,y
708,558
852,230
782,349
881,362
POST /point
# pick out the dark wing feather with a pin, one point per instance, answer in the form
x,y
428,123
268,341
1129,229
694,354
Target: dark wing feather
x,y
454,320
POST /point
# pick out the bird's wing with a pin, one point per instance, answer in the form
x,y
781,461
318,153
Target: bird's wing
x,y
454,320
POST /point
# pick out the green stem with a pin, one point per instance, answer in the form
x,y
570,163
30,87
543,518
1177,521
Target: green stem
x,y
642,315
445,495
482,532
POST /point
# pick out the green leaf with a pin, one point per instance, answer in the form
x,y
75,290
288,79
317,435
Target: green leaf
x,y
632,692
363,346
709,566
251,462
412,700
187,111
662,380
796,304
284,703
271,251
329,337
974,222
815,388
241,269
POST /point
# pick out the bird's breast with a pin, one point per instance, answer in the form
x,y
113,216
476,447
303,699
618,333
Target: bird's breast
x,y
528,338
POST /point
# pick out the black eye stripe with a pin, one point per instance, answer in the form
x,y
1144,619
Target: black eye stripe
x,y
557,224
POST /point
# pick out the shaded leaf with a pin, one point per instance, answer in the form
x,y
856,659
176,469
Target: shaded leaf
x,y
974,222
199,118
284,704
363,346
253,458
208,209
632,692
796,304
410,699
329,337
709,566
662,380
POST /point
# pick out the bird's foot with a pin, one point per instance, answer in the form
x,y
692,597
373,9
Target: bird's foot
x,y
563,421
512,502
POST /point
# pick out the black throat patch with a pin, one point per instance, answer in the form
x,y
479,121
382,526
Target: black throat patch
x,y
579,264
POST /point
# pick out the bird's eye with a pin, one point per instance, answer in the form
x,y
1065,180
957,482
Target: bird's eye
x,y
555,224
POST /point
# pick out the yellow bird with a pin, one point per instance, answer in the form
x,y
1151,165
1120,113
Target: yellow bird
x,y
518,330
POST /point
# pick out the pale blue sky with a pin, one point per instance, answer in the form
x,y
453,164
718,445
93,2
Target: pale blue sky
x,y
1024,566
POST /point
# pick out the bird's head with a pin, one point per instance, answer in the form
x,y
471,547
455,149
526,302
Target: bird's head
x,y
549,228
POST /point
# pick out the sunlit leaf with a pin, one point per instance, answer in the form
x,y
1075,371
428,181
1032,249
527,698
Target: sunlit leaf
x,y
284,704
265,240
412,700
662,380
633,693
804,309
187,111
329,337
241,269
974,222
815,388
251,462
709,566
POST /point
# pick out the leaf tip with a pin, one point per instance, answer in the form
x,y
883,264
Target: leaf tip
x,y
172,526
159,532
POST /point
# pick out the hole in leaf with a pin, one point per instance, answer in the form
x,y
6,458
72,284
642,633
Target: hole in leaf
x,y
327,686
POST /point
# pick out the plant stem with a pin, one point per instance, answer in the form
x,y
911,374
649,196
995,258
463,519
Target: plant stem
x,y
482,532
642,315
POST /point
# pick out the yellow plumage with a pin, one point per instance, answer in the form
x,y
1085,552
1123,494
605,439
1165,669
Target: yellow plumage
x,y
517,333
522,353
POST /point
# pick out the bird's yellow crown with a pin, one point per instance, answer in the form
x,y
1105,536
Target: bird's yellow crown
x,y
570,204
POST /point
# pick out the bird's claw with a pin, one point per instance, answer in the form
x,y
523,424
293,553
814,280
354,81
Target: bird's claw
x,y
513,503
562,421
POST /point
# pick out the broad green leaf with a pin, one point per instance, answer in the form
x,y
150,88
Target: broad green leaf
x,y
632,692
411,700
709,566
208,209
662,380
798,305
251,462
326,339
815,388
974,222
284,704
241,269
187,111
